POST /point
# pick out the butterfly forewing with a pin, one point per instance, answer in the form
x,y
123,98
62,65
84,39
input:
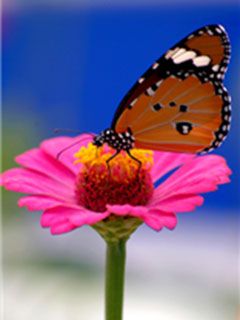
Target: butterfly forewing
x,y
180,104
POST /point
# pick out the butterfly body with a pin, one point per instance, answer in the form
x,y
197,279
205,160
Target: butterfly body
x,y
117,141
179,104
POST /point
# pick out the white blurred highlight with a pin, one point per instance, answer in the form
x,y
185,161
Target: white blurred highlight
x,y
188,274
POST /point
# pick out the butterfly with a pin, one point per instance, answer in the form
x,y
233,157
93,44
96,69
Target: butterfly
x,y
179,104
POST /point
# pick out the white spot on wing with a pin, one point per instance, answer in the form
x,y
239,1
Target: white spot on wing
x,y
158,83
133,102
201,61
140,80
222,28
155,65
219,30
224,128
188,55
178,53
170,53
215,67
185,129
210,32
150,91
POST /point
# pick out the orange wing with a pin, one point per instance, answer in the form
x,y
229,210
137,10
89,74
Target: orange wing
x,y
180,103
186,117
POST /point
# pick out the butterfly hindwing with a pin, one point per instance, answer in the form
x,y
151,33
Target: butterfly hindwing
x,y
180,104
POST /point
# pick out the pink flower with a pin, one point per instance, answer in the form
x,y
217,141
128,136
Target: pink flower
x,y
74,194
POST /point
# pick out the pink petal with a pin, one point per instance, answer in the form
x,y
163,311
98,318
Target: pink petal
x,y
57,224
199,175
53,146
34,203
26,181
155,218
158,219
127,209
76,215
48,220
167,161
62,227
179,203
37,160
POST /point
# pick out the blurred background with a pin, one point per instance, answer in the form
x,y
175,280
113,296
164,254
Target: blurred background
x,y
67,64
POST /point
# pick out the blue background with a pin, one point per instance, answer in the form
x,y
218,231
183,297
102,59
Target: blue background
x,y
68,64
70,68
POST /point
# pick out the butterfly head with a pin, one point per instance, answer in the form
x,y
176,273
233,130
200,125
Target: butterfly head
x,y
118,141
98,140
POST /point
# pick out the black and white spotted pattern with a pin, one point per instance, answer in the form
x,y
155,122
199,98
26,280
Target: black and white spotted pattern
x,y
117,141
224,128
188,61
180,61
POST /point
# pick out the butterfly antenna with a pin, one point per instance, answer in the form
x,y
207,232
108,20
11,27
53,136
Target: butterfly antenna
x,y
70,146
59,130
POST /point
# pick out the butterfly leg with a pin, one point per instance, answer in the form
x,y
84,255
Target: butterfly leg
x,y
135,159
110,159
97,152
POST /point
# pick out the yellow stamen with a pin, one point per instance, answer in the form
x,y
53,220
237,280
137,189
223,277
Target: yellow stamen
x,y
119,181
122,167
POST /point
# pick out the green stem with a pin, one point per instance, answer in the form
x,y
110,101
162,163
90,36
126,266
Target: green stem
x,y
114,286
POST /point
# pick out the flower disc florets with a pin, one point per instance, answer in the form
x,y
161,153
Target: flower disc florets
x,y
121,181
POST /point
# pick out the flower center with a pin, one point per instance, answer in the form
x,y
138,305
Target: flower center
x,y
120,181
